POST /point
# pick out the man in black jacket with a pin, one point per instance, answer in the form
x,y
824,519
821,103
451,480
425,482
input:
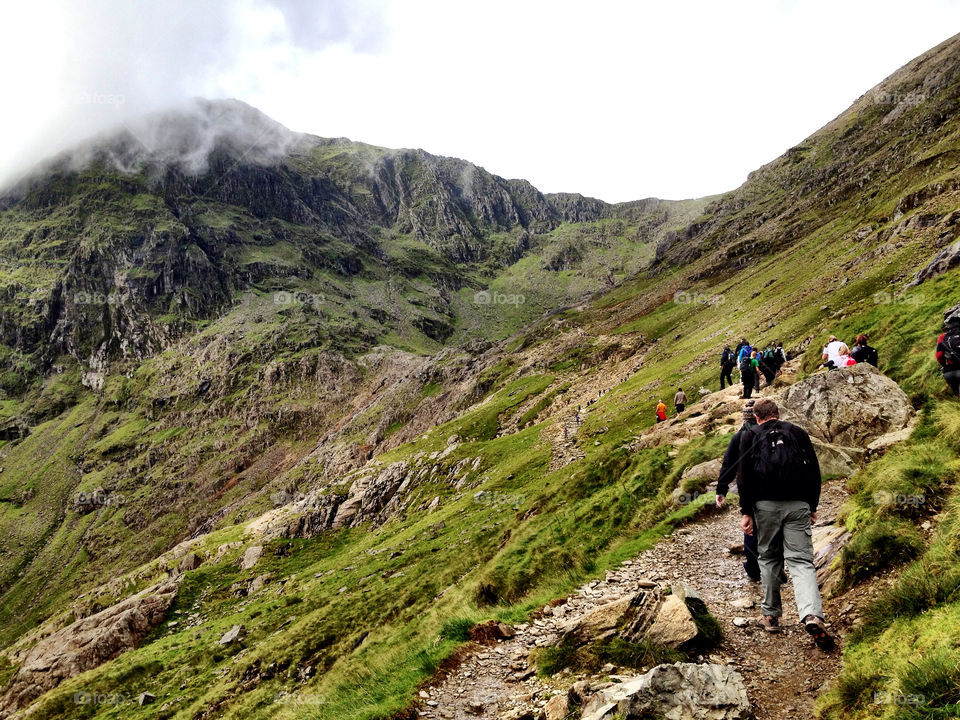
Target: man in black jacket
x,y
779,493
728,474
728,361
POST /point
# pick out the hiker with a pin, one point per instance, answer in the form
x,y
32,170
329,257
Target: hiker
x,y
728,473
948,351
728,361
832,352
661,412
736,351
680,400
766,365
779,357
779,484
748,376
863,353
755,362
744,351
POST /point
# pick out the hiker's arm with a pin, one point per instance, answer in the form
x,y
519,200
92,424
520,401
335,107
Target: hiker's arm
x,y
814,478
728,467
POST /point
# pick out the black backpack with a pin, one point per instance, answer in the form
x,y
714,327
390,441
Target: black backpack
x,y
951,346
746,367
870,355
775,452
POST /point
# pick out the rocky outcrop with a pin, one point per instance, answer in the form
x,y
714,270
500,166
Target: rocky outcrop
x,y
850,407
684,691
86,644
946,259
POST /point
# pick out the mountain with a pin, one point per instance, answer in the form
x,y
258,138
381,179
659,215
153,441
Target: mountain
x,y
326,391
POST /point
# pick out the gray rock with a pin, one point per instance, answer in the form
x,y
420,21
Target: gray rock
x,y
945,260
86,644
234,634
251,557
684,691
191,561
145,699
850,407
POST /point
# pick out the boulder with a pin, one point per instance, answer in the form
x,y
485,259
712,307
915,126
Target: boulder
x,y
251,557
708,470
850,407
557,708
191,561
684,691
836,460
828,541
234,634
643,616
87,643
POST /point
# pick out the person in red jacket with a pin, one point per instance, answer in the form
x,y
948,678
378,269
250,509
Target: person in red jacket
x,y
948,351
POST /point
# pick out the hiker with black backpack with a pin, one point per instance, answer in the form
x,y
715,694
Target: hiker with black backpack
x,y
948,349
779,484
767,365
728,361
729,472
863,353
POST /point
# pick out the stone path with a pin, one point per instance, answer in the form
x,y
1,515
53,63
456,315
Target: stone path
x,y
784,673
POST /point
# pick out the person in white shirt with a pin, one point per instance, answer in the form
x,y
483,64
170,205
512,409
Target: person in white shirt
x,y
832,353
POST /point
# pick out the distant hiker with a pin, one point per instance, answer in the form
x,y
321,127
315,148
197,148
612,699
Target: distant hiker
x,y
729,472
748,376
661,411
767,365
755,361
779,357
728,361
779,484
948,351
736,351
680,400
564,433
863,353
832,352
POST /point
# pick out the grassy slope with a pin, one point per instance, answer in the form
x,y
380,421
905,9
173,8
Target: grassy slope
x,y
574,522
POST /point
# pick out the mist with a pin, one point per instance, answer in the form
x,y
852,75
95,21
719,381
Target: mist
x,y
98,68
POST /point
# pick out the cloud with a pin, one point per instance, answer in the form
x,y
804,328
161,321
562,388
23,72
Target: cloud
x,y
83,66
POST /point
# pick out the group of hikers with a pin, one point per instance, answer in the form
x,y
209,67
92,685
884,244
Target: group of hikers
x,y
751,363
777,473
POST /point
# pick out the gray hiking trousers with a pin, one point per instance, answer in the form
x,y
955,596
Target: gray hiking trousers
x,y
784,534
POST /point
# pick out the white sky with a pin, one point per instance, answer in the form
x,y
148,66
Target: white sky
x,y
619,100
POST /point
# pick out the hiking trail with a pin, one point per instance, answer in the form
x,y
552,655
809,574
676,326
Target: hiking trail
x,y
784,673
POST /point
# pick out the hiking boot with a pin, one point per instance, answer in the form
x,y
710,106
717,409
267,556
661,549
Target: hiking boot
x,y
818,630
770,623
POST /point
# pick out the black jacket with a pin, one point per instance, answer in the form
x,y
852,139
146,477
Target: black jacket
x,y
803,485
730,467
